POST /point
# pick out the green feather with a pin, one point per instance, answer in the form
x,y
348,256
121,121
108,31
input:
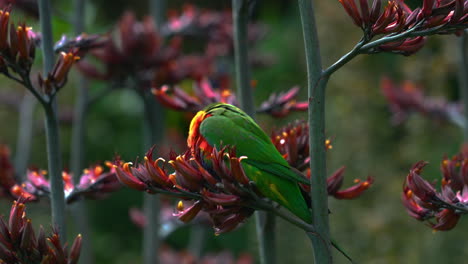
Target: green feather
x,y
228,125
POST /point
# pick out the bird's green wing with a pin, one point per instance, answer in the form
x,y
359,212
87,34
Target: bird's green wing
x,y
280,190
226,128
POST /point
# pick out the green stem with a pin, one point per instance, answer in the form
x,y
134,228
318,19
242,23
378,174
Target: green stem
x,y
78,146
463,79
57,196
265,222
154,116
242,69
52,128
197,240
316,92
153,133
25,135
158,11
47,37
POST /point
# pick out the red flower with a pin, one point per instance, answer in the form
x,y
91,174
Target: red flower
x,y
435,16
19,243
423,202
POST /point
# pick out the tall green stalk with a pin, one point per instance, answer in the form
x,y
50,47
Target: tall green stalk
x,y
463,78
265,222
52,128
316,94
240,15
153,133
78,145
158,11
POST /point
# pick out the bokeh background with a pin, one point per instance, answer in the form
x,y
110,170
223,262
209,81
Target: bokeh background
x,y
373,229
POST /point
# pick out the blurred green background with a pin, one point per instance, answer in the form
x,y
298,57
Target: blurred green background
x,y
373,229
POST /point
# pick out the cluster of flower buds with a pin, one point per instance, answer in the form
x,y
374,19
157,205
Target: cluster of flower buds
x,y
57,78
94,183
224,192
217,184
137,50
17,46
441,210
170,256
204,93
292,141
17,51
435,16
409,97
215,26
20,244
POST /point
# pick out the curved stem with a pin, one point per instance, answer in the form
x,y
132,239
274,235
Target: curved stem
x,y
343,60
364,46
316,84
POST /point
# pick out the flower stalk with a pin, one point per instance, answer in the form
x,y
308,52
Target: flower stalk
x,y
78,144
52,128
55,172
153,132
265,222
316,94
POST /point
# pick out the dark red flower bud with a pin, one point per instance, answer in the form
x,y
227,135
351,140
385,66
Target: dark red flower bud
x,y
15,222
28,238
356,190
427,7
220,198
187,214
75,251
229,223
126,177
446,220
351,9
4,23
413,208
421,188
335,181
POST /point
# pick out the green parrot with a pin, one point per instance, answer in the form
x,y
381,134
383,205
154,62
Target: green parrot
x,y
224,124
